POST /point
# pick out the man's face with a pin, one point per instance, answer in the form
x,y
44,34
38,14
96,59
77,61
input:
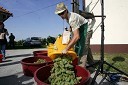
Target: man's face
x,y
63,14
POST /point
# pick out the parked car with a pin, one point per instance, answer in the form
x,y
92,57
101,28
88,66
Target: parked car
x,y
32,41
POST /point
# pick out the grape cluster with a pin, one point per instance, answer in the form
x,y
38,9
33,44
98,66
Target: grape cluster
x,y
39,61
62,72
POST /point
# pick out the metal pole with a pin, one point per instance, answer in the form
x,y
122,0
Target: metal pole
x,y
102,34
84,5
73,6
77,6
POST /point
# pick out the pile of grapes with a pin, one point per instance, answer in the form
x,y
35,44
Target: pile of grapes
x,y
62,72
39,61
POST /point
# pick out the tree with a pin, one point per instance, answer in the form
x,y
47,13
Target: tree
x,y
20,42
44,41
51,39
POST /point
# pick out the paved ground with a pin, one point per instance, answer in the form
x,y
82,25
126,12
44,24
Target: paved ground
x,y
11,70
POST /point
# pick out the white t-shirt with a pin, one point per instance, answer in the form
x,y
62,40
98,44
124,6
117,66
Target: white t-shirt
x,y
76,20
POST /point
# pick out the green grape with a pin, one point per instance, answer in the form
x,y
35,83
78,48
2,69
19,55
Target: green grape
x,y
62,72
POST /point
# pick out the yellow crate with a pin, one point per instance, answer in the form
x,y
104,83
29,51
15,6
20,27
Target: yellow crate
x,y
56,49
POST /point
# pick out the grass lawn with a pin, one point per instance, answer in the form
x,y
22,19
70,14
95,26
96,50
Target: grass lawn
x,y
118,60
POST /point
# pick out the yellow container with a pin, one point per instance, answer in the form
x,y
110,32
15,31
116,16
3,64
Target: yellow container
x,y
56,49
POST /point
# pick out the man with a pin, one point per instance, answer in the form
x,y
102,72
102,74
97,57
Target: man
x,y
11,40
79,27
87,44
3,40
91,23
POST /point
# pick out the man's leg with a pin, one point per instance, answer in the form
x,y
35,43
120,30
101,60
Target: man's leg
x,y
3,47
89,54
83,61
13,45
90,57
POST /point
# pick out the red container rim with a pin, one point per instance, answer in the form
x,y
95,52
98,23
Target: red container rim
x,y
40,51
27,63
43,83
1,56
36,78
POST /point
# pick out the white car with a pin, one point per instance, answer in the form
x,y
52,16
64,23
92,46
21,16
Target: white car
x,y
32,41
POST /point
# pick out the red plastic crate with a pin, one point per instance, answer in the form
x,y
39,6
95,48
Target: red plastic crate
x,y
42,74
1,56
40,53
29,67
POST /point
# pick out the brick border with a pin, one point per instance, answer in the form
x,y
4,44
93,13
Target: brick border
x,y
110,48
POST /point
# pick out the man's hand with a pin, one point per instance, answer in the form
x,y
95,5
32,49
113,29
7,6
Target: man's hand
x,y
64,51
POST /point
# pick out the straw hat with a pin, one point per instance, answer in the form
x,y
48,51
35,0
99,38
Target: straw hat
x,y
60,8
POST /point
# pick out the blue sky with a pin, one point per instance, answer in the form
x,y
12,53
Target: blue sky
x,y
37,18
34,18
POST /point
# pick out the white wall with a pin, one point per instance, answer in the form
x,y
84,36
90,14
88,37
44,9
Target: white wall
x,y
116,22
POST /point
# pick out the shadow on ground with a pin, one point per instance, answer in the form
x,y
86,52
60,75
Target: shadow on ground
x,y
16,80
12,63
8,62
19,55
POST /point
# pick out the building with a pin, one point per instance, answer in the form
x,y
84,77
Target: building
x,y
4,14
115,25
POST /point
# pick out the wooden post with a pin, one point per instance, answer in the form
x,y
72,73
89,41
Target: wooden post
x,y
83,5
72,5
75,6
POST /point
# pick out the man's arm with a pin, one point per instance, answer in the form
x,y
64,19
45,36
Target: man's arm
x,y
86,15
75,38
